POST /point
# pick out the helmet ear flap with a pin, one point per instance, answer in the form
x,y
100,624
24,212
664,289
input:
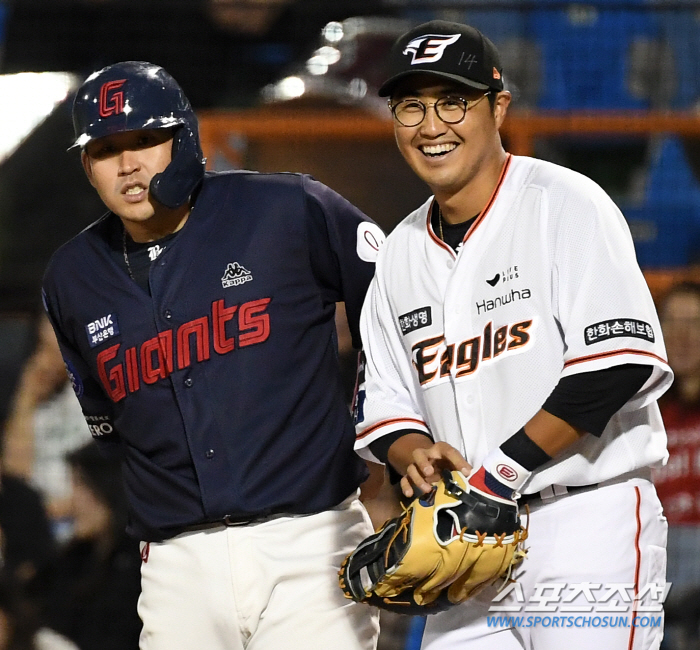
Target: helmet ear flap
x,y
176,183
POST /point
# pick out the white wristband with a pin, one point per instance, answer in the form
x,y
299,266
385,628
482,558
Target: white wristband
x,y
505,470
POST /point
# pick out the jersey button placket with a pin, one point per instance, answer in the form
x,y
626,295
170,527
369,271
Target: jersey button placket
x,y
168,314
189,382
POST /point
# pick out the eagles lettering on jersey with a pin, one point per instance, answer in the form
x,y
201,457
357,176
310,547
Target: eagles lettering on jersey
x,y
434,359
157,357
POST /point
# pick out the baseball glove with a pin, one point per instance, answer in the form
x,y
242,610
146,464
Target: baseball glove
x,y
446,547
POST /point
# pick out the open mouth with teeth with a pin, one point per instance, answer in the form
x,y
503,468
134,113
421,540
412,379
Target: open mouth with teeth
x,y
438,149
135,189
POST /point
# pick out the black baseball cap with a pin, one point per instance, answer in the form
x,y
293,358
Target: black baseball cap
x,y
450,50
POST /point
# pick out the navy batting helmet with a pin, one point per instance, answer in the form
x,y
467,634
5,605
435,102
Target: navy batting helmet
x,y
136,95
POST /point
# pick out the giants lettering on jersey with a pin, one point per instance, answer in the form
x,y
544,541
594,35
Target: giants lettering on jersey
x,y
433,359
156,358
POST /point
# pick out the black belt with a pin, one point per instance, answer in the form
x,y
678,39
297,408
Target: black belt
x,y
555,492
227,522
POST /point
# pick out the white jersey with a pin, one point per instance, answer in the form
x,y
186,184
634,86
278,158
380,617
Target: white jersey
x,y
468,346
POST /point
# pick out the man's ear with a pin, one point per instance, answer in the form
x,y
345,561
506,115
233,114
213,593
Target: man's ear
x,y
500,107
87,166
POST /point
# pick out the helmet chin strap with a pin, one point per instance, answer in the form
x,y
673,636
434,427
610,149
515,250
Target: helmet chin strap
x,y
176,183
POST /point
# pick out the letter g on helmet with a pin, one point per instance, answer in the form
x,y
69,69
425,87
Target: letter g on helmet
x,y
136,95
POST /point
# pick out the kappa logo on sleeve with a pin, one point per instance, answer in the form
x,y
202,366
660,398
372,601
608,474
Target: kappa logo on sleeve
x,y
102,329
415,320
617,328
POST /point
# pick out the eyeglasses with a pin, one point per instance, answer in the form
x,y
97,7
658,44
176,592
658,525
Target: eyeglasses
x,y
450,109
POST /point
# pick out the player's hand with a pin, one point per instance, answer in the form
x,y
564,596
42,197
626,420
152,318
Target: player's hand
x,y
426,467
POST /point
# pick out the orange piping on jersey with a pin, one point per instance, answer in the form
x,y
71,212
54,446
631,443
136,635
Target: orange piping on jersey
x,y
385,423
612,353
479,218
492,200
433,236
638,563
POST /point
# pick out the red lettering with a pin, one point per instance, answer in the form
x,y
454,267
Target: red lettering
x,y
200,329
151,374
111,103
132,370
165,357
220,315
249,318
114,382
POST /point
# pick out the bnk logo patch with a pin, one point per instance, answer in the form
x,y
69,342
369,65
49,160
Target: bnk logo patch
x,y
429,47
102,329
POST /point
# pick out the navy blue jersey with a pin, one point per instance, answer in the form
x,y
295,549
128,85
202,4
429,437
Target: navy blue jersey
x,y
221,389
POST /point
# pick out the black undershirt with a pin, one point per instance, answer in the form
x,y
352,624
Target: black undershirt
x,y
453,233
140,255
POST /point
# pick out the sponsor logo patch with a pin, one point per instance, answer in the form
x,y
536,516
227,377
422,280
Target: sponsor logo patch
x,y
234,275
515,295
619,327
99,425
415,320
102,330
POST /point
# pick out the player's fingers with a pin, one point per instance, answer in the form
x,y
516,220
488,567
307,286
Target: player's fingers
x,y
456,460
416,482
422,460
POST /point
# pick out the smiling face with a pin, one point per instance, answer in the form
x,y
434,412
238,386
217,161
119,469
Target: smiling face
x,y
451,157
120,167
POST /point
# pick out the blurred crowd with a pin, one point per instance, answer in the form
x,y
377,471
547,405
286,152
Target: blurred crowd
x,y
69,576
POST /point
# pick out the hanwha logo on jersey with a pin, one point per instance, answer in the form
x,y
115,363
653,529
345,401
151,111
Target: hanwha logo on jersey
x,y
429,47
506,472
234,275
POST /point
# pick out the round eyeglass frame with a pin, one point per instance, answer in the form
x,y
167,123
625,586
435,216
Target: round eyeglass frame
x,y
466,105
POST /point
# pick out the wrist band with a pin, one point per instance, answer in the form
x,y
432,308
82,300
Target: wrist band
x,y
505,470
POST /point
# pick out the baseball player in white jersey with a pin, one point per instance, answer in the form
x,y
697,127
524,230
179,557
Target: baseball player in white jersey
x,y
509,333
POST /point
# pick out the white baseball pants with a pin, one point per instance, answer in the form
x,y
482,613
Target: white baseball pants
x,y
266,586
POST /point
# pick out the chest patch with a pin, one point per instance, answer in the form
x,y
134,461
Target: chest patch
x,y
620,327
102,329
234,275
414,320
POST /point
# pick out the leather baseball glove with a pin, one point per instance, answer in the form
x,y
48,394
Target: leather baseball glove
x,y
446,547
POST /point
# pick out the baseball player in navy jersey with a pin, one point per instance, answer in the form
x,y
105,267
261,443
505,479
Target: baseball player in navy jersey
x,y
509,334
196,320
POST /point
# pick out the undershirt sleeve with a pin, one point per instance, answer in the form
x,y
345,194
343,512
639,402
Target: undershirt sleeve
x,y
588,400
